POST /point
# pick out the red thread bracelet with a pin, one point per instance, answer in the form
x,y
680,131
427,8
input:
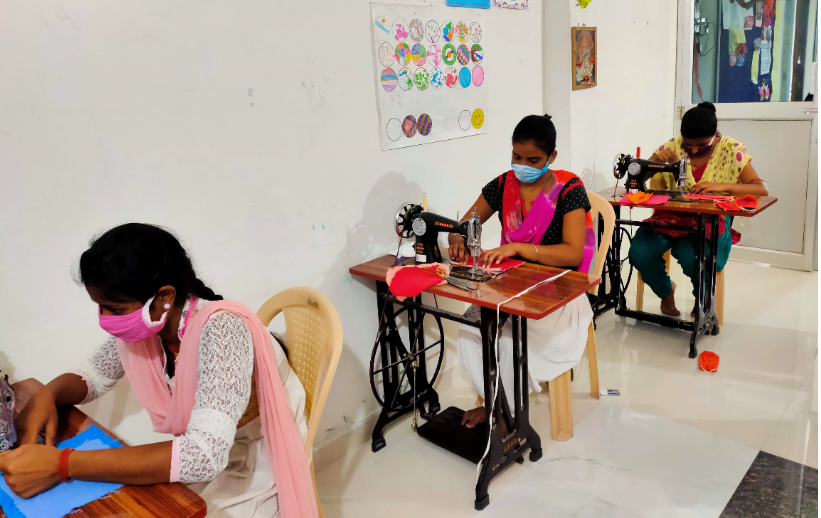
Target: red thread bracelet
x,y
62,466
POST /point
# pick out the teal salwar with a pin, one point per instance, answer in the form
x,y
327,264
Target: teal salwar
x,y
647,251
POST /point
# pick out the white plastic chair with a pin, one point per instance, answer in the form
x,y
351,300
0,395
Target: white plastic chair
x,y
314,341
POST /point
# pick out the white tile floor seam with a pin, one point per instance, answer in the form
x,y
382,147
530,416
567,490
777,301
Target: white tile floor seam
x,y
674,444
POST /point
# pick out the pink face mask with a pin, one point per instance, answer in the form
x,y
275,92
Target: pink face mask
x,y
132,327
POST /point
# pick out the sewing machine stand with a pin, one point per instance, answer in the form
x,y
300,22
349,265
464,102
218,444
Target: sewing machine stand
x,y
445,428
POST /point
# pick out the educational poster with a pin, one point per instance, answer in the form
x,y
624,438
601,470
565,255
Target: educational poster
x,y
429,73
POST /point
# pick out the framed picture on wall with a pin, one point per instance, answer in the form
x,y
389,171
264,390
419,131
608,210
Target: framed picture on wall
x,y
583,47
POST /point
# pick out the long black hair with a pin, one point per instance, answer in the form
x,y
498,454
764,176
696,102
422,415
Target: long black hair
x,y
133,261
538,129
700,121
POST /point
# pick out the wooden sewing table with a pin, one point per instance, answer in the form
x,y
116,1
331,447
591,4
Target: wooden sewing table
x,y
158,501
706,319
399,363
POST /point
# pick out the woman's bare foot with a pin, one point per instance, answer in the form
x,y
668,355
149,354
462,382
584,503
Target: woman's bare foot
x,y
668,303
474,417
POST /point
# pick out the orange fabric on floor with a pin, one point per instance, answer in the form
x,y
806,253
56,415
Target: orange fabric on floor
x,y
708,361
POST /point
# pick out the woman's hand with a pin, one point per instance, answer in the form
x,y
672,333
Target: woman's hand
x,y
30,469
666,156
705,187
497,255
457,250
39,415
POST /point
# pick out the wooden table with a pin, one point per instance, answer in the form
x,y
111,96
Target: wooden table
x,y
399,363
706,319
158,501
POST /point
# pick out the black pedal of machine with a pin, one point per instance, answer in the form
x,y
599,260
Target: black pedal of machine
x,y
465,272
447,431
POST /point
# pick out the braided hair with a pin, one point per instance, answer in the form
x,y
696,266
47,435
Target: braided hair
x,y
133,261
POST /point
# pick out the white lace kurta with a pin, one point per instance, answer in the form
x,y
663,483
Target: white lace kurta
x,y
226,465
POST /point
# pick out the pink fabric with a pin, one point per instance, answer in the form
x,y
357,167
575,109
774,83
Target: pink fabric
x,y
175,460
707,197
410,281
656,199
506,264
143,365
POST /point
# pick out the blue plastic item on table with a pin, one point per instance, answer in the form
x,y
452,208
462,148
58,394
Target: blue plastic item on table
x,y
64,498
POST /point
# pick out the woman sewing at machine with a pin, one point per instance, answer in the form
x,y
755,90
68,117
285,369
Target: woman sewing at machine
x,y
205,370
717,164
545,220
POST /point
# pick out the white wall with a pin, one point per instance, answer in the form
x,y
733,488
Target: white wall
x,y
632,105
250,129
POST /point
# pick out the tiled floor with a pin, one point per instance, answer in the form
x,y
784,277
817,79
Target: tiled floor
x,y
676,443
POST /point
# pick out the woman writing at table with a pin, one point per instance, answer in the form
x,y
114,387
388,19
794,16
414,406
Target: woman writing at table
x,y
206,370
717,164
545,220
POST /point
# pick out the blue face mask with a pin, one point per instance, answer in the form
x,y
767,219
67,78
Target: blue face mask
x,y
527,174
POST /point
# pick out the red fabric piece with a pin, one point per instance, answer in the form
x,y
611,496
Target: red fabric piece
x,y
410,281
727,205
684,219
699,172
748,202
708,361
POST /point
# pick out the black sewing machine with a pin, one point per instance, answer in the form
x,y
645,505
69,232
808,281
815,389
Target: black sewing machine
x,y
638,171
8,435
412,220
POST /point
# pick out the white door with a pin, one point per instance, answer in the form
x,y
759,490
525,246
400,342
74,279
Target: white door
x,y
757,67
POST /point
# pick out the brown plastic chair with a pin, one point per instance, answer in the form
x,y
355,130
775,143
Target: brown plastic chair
x,y
314,340
560,392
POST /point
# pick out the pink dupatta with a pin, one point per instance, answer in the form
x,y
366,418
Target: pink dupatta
x,y
518,228
143,365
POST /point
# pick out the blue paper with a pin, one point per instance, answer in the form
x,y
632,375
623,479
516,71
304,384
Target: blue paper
x,y
475,4
64,498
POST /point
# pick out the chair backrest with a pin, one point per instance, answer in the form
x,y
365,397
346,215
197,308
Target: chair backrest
x,y
314,340
601,206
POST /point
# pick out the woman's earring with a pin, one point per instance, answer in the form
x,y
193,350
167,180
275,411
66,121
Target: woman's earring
x,y
167,306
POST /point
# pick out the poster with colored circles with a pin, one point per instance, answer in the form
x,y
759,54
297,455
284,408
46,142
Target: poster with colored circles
x,y
429,68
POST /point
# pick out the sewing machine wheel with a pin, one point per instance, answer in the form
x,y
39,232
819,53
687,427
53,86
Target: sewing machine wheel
x,y
617,172
401,218
391,366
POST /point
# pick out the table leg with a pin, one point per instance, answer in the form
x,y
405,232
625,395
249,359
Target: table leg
x,y
421,377
510,445
615,264
390,376
398,398
711,306
701,235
